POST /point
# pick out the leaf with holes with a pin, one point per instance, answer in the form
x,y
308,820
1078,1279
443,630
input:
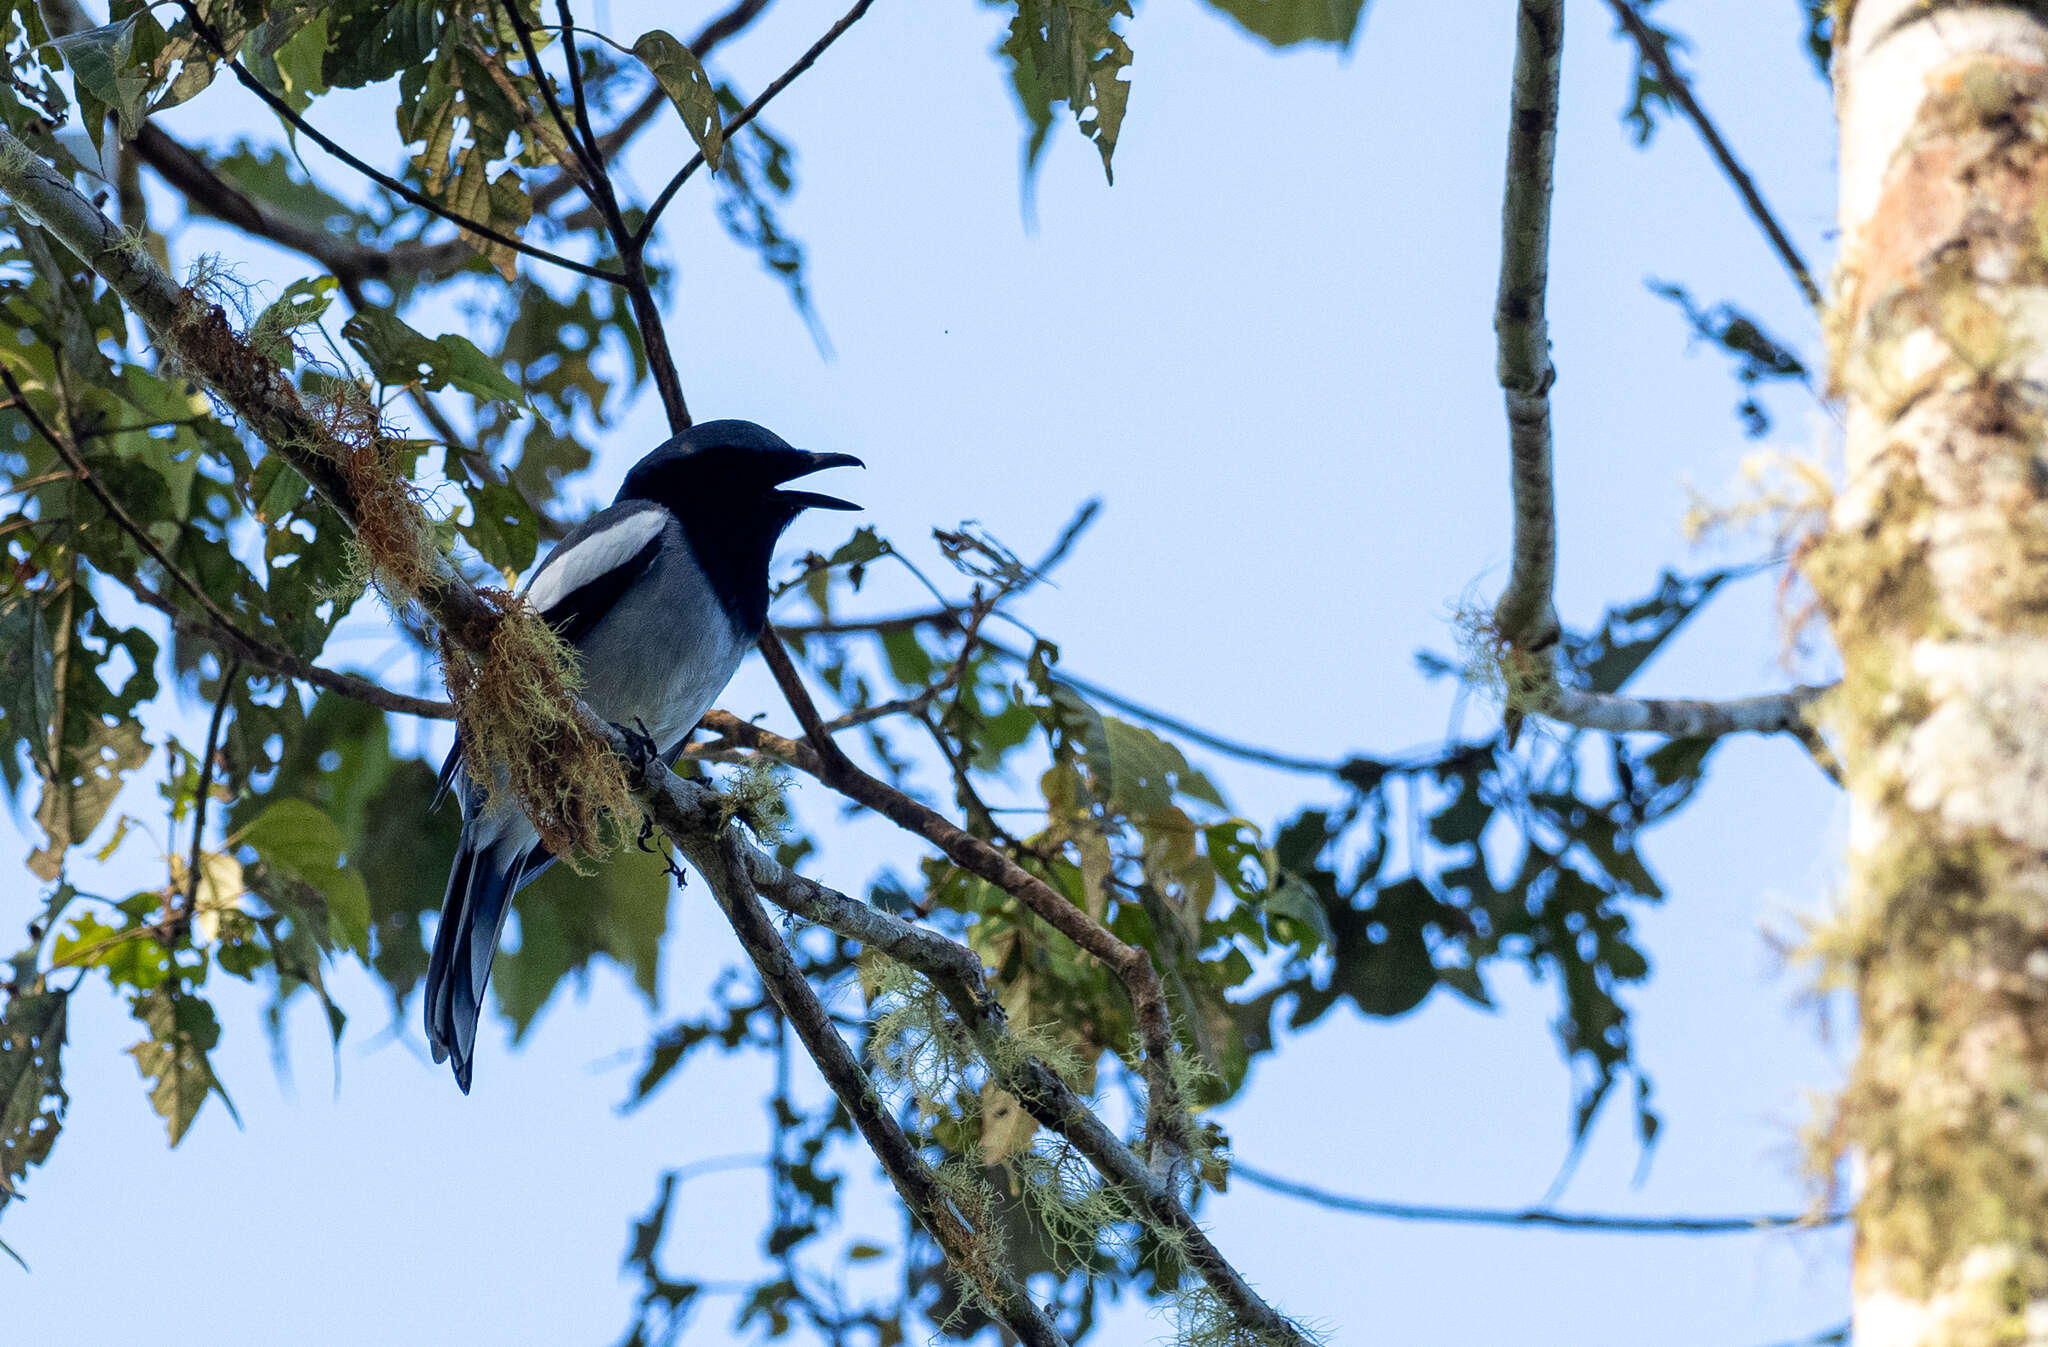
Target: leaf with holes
x,y
681,76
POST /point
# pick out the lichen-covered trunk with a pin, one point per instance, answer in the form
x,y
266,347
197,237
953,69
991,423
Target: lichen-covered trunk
x,y
1933,571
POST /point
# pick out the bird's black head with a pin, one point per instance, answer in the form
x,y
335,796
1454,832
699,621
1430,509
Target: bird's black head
x,y
722,479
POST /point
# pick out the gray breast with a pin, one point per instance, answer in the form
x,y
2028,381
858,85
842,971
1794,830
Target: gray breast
x,y
666,649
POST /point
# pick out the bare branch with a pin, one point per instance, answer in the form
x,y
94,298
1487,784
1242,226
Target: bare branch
x,y
1526,616
1773,713
1651,44
1538,1217
751,111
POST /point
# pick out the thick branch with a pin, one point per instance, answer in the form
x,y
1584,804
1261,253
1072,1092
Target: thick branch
x,y
1526,616
1651,45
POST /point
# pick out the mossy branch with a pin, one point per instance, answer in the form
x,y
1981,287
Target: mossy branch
x,y
690,813
339,446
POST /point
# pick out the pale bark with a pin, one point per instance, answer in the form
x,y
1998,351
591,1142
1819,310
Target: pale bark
x,y
1934,574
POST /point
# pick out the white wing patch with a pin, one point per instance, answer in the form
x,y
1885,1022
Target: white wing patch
x,y
575,564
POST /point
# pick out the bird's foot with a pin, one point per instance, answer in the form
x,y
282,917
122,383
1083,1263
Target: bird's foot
x,y
641,750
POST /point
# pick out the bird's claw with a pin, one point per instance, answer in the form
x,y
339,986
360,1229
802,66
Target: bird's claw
x,y
641,750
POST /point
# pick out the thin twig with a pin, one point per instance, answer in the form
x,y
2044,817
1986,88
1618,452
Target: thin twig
x,y
1535,1217
182,917
276,659
207,190
631,247
748,114
593,152
115,510
1650,43
212,38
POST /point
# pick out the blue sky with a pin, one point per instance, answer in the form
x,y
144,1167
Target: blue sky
x,y
1268,348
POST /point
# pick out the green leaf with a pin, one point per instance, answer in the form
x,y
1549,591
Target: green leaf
x,y
302,842
32,1098
1138,772
1293,900
1465,982
397,354
1069,51
1680,760
28,686
99,59
182,1030
74,803
681,76
303,303
566,920
1284,23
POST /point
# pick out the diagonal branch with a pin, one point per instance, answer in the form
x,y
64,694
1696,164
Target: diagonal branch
x,y
1651,44
721,857
690,813
747,114
206,189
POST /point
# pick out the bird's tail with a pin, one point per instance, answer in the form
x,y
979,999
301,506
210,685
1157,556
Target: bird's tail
x,y
480,889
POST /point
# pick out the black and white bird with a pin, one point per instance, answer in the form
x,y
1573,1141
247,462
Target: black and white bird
x,y
660,594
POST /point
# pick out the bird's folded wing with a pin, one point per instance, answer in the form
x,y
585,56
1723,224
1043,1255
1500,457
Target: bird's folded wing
x,y
599,561
582,578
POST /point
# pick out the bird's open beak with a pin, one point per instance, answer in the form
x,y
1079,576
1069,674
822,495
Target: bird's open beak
x,y
812,500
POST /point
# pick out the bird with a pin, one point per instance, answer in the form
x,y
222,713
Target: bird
x,y
659,596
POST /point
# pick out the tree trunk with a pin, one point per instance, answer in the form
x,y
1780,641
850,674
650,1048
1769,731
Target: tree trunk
x,y
1933,572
